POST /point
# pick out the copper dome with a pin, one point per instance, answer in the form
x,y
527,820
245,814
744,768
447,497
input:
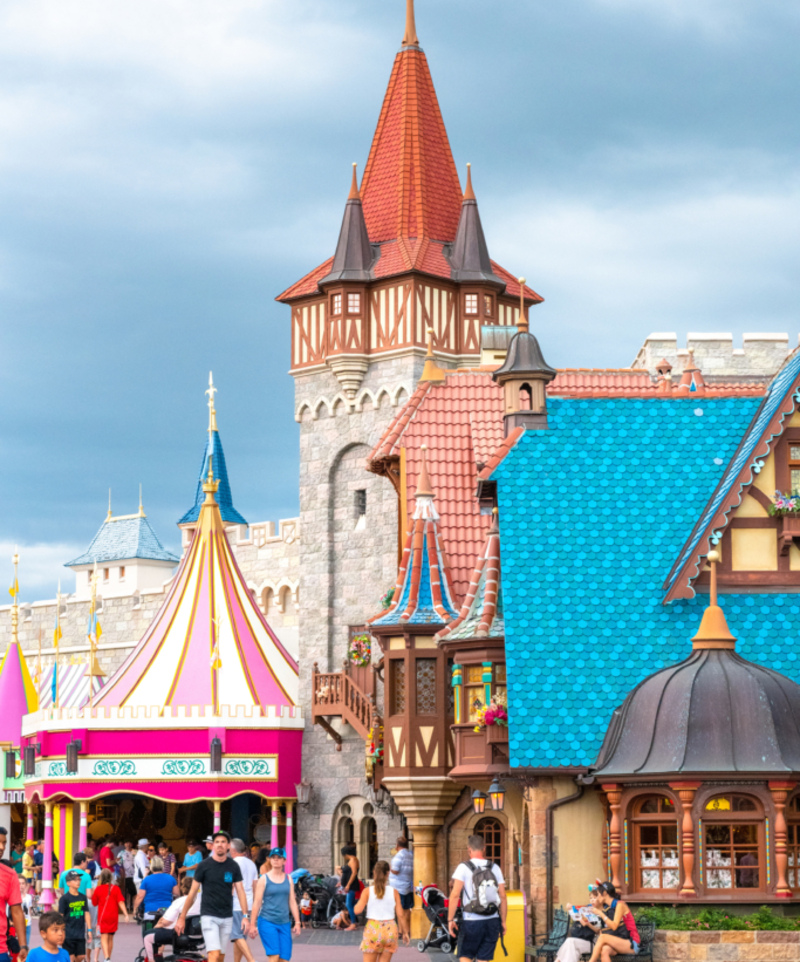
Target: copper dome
x,y
713,712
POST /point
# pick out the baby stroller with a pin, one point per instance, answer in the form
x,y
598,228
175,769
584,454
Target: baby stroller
x,y
434,905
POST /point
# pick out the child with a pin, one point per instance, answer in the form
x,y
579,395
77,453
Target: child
x,y
75,909
51,929
306,909
27,907
108,898
28,862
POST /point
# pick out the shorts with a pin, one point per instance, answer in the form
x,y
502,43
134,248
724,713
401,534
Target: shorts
x,y
407,900
477,939
236,929
94,942
276,939
379,937
75,946
216,933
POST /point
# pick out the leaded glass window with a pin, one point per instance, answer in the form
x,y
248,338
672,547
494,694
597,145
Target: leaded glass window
x,y
426,686
398,686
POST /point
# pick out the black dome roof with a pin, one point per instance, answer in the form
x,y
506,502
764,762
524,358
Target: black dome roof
x,y
713,712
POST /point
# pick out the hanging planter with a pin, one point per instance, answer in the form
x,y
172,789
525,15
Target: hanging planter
x,y
360,651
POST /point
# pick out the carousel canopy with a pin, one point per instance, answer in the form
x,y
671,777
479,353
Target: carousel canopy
x,y
209,645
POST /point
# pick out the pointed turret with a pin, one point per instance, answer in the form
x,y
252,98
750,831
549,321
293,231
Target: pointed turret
x,y
17,691
481,614
469,256
209,646
354,254
213,451
423,594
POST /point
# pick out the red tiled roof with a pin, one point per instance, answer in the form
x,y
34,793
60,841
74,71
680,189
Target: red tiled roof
x,y
400,257
410,186
410,191
461,421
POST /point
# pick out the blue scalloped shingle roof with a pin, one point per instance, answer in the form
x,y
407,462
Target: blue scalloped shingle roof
x,y
424,613
593,514
224,496
123,539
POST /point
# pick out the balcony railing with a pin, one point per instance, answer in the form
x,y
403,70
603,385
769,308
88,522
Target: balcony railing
x,y
338,694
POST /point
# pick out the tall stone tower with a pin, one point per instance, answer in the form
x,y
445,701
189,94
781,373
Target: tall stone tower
x,y
411,259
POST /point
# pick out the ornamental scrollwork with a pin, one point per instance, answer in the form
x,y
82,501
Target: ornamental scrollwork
x,y
114,768
247,766
183,766
58,769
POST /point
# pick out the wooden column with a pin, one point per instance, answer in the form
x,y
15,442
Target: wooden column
x,y
614,796
780,792
686,792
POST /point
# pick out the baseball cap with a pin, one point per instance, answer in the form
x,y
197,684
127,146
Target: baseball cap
x,y
220,833
30,843
73,876
277,853
208,838
142,842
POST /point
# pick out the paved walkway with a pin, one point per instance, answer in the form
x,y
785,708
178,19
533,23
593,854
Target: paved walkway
x,y
312,945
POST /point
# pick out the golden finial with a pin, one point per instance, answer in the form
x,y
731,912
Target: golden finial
x,y
354,194
431,371
522,323
212,413
713,631
141,504
410,36
210,486
108,516
14,592
469,193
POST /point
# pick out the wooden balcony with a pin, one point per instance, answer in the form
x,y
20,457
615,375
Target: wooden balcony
x,y
479,753
342,694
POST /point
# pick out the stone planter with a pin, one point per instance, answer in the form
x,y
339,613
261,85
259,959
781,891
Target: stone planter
x,y
715,946
497,734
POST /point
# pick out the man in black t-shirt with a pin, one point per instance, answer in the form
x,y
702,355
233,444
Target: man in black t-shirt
x,y
75,909
219,875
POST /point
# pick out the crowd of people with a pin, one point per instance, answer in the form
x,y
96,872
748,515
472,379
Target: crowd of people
x,y
227,894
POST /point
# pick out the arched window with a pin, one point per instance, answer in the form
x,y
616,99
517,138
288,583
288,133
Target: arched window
x,y
347,831
369,843
525,398
266,600
491,831
655,844
733,844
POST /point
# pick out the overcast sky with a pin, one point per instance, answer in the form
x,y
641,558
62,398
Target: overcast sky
x,y
168,166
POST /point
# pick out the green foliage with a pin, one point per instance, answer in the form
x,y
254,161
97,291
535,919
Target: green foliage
x,y
705,919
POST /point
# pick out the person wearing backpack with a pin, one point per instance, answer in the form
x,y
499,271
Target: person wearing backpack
x,y
481,888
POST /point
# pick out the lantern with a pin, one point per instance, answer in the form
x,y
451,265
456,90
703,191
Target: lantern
x,y
216,755
478,802
11,764
30,760
498,795
72,757
303,790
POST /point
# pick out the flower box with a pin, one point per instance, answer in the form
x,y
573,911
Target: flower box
x,y
497,734
790,531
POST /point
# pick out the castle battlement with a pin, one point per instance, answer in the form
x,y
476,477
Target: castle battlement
x,y
760,356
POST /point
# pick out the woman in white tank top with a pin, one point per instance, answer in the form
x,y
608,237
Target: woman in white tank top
x,y
382,905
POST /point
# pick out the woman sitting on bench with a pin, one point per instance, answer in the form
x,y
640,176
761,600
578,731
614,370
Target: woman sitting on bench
x,y
620,935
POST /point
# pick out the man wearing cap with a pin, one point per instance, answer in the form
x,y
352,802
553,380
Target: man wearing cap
x,y
208,841
141,867
220,876
10,903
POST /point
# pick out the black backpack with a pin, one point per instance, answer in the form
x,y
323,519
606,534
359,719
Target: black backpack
x,y
486,900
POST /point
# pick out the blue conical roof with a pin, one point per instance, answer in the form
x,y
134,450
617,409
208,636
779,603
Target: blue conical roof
x,y
224,497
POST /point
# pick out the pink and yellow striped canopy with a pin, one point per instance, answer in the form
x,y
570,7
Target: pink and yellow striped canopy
x,y
209,645
17,694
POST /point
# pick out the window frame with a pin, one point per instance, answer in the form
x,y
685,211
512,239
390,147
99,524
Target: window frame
x,y
792,815
467,296
731,818
354,311
499,829
639,820
336,304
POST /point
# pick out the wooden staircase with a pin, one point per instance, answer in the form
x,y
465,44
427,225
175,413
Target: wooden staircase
x,y
348,694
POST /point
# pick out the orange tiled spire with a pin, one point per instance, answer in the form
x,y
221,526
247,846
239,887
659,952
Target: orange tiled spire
x,y
410,189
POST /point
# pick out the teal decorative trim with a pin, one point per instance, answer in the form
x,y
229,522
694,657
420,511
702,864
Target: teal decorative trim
x,y
247,766
58,770
114,768
183,766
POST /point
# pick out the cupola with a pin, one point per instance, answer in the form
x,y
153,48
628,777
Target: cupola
x,y
523,377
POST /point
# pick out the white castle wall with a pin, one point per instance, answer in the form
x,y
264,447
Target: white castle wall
x,y
760,356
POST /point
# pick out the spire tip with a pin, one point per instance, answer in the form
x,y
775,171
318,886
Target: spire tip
x,y
410,36
469,193
355,193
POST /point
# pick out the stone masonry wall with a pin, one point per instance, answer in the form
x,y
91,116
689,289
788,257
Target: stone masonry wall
x,y
725,946
760,356
346,568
